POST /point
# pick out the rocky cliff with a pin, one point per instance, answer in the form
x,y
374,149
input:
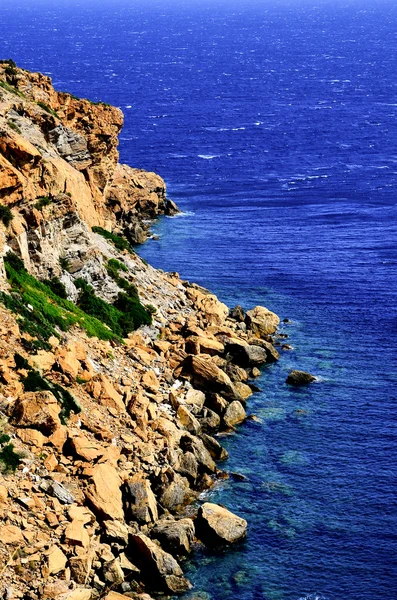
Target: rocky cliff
x,y
114,377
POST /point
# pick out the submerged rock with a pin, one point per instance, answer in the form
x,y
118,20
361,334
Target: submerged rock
x,y
300,378
216,525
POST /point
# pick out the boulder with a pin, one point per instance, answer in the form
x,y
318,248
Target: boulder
x,y
56,560
237,313
104,493
159,568
216,525
206,374
262,321
187,420
175,537
191,443
243,389
300,378
80,567
37,410
234,414
194,399
252,355
187,465
214,448
210,421
11,534
139,500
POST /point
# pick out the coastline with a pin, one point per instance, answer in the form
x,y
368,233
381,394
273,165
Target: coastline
x,y
115,437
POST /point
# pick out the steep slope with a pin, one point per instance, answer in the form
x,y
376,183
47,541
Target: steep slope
x,y
114,376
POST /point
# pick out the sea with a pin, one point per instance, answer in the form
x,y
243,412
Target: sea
x,y
274,124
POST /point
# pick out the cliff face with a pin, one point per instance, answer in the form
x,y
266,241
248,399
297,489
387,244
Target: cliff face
x,y
106,430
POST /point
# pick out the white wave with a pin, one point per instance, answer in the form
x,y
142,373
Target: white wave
x,y
314,596
208,156
129,106
187,213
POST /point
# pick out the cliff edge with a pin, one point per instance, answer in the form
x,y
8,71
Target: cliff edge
x,y
114,376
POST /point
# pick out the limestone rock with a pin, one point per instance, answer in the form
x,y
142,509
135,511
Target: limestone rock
x,y
104,493
206,374
80,567
300,378
188,420
10,534
262,321
139,500
76,534
38,410
216,525
175,537
56,560
158,566
234,414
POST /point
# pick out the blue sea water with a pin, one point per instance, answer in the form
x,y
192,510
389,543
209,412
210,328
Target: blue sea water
x,y
274,125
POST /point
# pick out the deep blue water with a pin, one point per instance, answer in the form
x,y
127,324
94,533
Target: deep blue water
x,y
274,125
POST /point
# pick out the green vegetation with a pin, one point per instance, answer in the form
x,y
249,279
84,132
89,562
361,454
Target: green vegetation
x,y
56,286
34,382
123,317
51,111
113,267
13,126
117,265
42,201
9,460
119,241
12,89
9,62
6,215
42,311
64,264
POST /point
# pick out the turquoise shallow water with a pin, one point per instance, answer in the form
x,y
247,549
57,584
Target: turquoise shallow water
x,y
274,125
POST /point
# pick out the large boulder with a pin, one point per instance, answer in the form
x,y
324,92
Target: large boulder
x,y
160,569
139,500
262,321
37,410
300,378
175,537
234,414
104,493
216,525
252,355
205,373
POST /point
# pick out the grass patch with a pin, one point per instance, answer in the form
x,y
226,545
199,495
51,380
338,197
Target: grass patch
x,y
42,201
6,215
120,242
51,111
113,267
41,312
124,316
13,126
10,88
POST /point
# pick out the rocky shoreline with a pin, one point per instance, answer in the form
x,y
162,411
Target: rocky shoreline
x,y
114,376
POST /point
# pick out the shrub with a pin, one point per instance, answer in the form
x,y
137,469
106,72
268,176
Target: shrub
x,y
9,460
41,312
64,264
15,262
10,88
117,265
119,241
56,286
42,201
6,215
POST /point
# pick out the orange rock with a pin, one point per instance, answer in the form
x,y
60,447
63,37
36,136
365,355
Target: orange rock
x,y
150,381
10,534
104,493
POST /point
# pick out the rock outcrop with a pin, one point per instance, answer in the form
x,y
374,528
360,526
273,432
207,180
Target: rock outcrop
x,y
106,431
